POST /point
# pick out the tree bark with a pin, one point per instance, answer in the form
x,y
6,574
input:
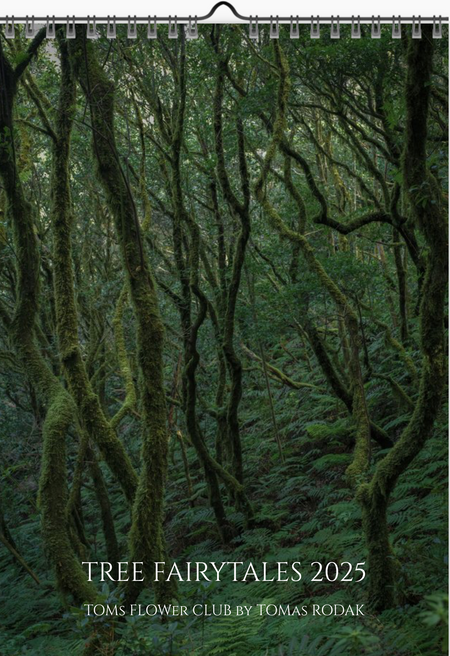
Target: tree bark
x,y
147,542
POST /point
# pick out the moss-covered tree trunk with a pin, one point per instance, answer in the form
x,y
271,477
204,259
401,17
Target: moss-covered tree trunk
x,y
101,492
87,401
429,216
58,405
146,534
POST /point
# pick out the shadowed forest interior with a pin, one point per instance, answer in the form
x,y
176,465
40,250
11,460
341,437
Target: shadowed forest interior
x,y
223,292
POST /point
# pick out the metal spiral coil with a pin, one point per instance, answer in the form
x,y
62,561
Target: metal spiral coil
x,y
191,25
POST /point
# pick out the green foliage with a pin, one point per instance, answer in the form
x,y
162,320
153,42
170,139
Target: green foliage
x,y
345,124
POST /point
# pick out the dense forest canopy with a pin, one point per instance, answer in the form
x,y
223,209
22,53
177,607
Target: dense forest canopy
x,y
223,294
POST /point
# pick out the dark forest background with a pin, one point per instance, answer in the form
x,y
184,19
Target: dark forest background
x,y
223,275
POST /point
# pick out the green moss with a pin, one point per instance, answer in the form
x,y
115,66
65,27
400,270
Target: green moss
x,y
146,534
88,403
57,403
71,578
374,498
124,364
382,566
359,409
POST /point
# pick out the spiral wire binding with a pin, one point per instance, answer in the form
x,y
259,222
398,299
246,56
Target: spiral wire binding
x,y
294,31
315,28
29,28
91,31
437,28
191,25
151,29
111,30
9,28
396,28
51,28
70,28
274,28
356,28
132,28
376,28
335,29
173,28
253,28
192,29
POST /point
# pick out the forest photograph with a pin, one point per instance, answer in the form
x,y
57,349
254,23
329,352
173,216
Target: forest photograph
x,y
223,356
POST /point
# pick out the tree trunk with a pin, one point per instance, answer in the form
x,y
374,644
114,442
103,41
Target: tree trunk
x,y
147,542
